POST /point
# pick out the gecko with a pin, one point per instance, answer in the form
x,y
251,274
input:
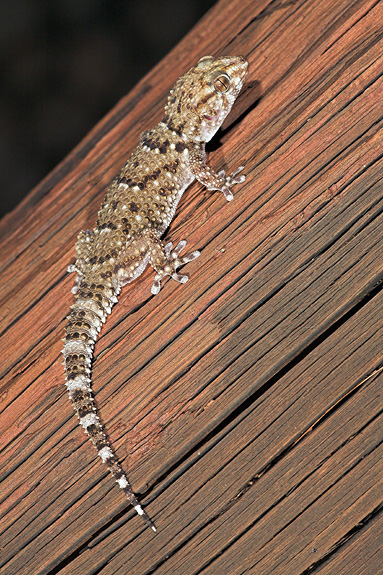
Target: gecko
x,y
137,209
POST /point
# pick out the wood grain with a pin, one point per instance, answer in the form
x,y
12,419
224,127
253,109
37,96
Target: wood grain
x,y
246,406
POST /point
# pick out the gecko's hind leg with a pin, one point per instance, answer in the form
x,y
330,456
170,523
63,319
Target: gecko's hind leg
x,y
165,260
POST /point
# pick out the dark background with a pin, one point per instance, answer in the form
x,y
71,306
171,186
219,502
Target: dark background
x,y
64,64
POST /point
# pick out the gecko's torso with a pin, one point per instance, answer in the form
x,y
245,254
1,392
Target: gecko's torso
x,y
136,211
139,206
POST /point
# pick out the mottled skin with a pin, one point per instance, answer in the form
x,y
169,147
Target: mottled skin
x,y
135,213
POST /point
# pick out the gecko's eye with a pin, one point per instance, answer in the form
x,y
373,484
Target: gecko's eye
x,y
221,83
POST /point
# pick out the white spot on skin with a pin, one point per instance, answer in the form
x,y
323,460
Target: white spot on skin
x,y
139,509
105,453
75,347
88,419
81,382
172,146
122,482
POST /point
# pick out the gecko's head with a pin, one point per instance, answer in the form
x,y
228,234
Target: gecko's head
x,y
203,97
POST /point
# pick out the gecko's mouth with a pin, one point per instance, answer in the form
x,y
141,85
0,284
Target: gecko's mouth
x,y
211,118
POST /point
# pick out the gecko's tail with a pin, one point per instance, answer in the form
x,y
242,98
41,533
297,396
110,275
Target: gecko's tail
x,y
93,303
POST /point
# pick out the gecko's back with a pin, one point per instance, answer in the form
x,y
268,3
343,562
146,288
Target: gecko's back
x,y
136,211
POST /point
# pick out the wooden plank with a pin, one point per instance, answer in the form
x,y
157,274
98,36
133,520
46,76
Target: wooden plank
x,y
218,393
272,484
361,556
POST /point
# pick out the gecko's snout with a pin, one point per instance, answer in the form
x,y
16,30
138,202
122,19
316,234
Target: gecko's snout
x,y
235,66
240,65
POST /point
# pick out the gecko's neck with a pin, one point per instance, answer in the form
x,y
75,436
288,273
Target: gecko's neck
x,y
178,130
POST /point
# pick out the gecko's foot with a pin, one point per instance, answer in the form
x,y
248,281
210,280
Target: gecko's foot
x,y
230,180
172,262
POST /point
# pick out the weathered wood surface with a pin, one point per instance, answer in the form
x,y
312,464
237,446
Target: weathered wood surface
x,y
247,404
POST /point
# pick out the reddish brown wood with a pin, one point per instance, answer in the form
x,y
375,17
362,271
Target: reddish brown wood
x,y
246,405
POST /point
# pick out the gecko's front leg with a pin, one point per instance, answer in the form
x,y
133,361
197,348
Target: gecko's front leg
x,y
165,260
211,179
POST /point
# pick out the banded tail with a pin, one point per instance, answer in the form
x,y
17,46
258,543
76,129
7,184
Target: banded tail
x,y
94,302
